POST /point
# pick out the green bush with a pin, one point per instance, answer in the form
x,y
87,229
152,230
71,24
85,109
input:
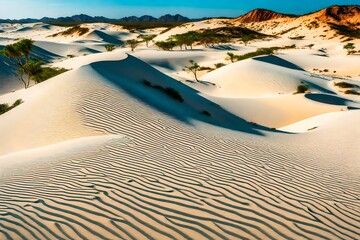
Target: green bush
x,y
174,94
166,45
352,92
262,51
47,73
219,65
206,113
345,85
110,47
5,107
302,88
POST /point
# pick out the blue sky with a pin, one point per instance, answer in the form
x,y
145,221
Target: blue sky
x,y
190,8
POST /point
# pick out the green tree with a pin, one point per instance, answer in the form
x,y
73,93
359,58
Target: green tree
x,y
350,48
166,45
232,57
194,68
245,39
147,38
18,54
110,47
133,43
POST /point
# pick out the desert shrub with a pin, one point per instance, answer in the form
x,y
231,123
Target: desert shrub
x,y
147,83
73,30
219,65
345,85
352,92
350,48
174,94
260,51
302,88
47,73
166,45
133,43
344,30
5,107
110,47
297,38
211,37
263,51
70,56
206,113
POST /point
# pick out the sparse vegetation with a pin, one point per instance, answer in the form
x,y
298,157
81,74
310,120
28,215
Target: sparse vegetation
x,y
345,85
346,31
350,48
147,38
74,30
136,26
297,38
133,43
46,73
246,39
232,57
166,45
302,88
212,37
171,92
352,92
310,46
5,107
194,68
206,113
219,65
110,47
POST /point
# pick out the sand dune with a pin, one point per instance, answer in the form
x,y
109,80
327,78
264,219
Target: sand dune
x,y
104,152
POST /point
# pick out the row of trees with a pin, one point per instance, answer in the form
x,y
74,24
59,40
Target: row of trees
x,y
18,55
183,41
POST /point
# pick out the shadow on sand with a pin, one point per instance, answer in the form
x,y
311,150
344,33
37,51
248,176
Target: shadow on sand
x,y
279,62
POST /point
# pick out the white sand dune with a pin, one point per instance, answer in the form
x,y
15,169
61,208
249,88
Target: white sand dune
x,y
102,152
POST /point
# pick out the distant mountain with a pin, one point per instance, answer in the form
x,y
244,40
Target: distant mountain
x,y
340,14
260,15
334,14
82,18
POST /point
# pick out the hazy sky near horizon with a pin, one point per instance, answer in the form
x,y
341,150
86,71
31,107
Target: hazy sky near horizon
x,y
15,9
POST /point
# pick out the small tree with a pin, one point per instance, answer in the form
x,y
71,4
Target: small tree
x,y
350,48
110,47
194,68
18,54
166,45
232,57
133,44
245,39
147,38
